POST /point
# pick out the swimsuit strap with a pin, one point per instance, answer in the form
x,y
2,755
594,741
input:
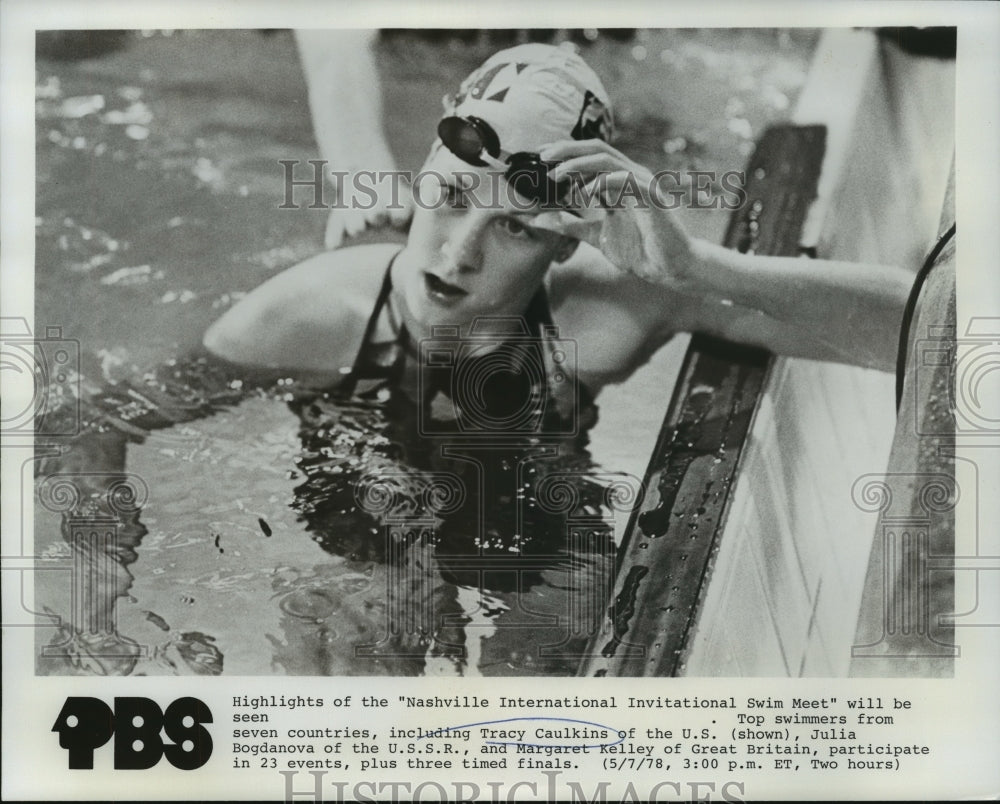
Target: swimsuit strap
x,y
366,366
537,315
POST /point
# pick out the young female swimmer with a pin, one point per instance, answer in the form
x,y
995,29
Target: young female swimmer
x,y
489,253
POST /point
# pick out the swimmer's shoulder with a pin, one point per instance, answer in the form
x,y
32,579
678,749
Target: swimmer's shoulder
x,y
310,317
617,320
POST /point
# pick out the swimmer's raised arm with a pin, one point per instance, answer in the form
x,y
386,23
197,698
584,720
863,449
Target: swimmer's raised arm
x,y
818,309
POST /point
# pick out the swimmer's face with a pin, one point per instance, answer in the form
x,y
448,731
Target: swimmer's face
x,y
471,251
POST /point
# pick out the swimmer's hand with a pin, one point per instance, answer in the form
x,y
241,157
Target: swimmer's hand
x,y
612,207
355,210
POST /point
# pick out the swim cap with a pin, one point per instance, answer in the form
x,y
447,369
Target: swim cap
x,y
533,95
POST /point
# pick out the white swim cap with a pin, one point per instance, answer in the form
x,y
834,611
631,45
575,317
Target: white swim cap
x,y
535,94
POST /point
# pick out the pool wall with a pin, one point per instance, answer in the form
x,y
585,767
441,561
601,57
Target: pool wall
x,y
785,591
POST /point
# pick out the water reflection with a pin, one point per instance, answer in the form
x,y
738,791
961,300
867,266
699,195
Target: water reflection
x,y
444,555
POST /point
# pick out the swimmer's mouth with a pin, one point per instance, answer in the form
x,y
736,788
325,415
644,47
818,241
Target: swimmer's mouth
x,y
441,291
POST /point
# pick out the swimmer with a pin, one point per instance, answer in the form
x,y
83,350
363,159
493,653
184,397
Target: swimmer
x,y
345,100
618,282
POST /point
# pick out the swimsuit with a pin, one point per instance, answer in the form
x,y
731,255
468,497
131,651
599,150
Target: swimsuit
x,y
379,366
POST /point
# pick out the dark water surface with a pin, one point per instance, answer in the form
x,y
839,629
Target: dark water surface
x,y
264,546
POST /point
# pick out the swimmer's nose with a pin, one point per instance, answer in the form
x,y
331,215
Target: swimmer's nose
x,y
463,248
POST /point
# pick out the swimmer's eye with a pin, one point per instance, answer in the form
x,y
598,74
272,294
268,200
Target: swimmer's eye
x,y
515,228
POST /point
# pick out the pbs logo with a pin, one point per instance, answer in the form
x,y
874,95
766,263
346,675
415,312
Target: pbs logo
x,y
138,726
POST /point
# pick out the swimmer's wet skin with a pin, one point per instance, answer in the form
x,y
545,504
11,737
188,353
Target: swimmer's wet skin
x,y
644,279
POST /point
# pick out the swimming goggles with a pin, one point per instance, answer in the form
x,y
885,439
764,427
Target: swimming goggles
x,y
474,141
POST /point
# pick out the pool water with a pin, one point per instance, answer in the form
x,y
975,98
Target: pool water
x,y
267,544
336,539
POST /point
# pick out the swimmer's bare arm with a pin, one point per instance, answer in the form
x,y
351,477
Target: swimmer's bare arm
x,y
817,309
615,321
780,304
310,317
820,309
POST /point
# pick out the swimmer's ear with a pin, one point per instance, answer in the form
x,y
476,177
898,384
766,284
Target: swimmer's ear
x,y
566,248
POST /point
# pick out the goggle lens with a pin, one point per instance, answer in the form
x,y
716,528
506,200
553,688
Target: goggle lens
x,y
528,174
468,137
